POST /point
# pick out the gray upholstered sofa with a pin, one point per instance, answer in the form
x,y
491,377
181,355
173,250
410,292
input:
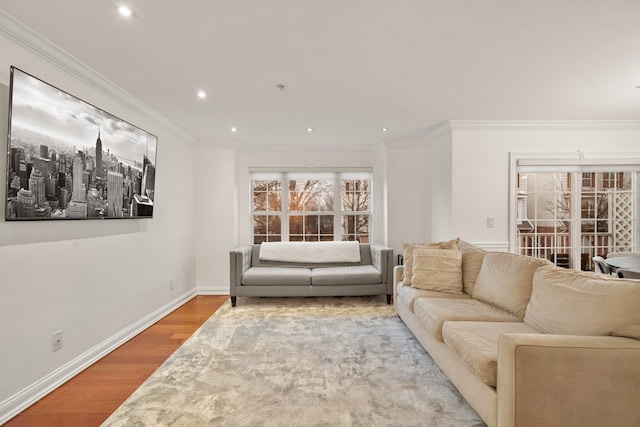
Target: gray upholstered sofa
x,y
251,276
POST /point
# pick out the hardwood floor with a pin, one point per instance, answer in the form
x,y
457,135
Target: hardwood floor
x,y
91,396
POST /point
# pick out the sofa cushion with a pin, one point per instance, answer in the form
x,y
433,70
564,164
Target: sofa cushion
x,y
408,255
270,276
407,295
348,275
434,312
582,303
505,280
476,344
472,257
437,270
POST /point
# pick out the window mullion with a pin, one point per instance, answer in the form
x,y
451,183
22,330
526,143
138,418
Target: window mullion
x,y
337,206
576,219
284,208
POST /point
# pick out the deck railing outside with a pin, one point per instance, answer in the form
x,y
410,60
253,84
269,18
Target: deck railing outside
x,y
556,247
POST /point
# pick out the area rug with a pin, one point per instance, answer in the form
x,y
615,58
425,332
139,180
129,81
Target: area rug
x,y
299,362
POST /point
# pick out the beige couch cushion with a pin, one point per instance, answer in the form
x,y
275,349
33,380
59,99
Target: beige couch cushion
x,y
433,312
408,295
582,303
408,254
437,270
476,344
472,257
505,280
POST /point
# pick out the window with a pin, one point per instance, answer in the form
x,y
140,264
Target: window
x,y
311,210
355,205
267,205
311,207
570,216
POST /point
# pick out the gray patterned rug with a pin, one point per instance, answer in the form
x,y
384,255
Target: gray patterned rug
x,y
299,362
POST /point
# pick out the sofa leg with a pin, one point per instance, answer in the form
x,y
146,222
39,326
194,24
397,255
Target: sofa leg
x,y
233,301
388,299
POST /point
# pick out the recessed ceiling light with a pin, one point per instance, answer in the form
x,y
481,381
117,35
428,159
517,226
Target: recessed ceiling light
x,y
384,129
234,129
202,94
309,129
125,11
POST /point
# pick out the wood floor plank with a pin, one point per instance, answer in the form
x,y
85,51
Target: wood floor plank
x,y
91,396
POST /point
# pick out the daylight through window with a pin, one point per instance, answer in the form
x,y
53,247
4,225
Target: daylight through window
x,y
570,216
311,207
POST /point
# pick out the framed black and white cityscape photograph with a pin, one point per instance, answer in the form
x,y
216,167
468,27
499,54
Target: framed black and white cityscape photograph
x,y
67,159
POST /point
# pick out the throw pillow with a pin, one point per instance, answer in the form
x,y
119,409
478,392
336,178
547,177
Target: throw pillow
x,y
408,255
472,257
570,302
505,280
437,270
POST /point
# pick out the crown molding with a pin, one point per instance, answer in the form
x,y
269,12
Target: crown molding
x,y
543,124
426,137
35,43
438,130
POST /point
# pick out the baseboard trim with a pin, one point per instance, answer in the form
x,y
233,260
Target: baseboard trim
x,y
213,290
30,395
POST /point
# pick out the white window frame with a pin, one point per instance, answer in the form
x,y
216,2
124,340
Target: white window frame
x,y
320,173
567,162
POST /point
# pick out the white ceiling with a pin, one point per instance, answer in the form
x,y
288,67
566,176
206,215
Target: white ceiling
x,y
352,67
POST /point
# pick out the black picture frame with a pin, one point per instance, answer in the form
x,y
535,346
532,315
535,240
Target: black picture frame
x,y
68,159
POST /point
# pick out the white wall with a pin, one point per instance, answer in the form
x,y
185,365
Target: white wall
x,y
408,198
439,166
419,179
216,216
480,180
91,279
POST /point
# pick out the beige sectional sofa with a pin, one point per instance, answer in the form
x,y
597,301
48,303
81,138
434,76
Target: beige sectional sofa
x,y
525,342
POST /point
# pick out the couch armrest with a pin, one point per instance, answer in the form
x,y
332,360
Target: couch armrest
x,y
567,380
382,259
240,261
398,272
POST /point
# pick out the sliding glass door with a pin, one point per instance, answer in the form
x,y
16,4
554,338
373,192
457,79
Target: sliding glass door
x,y
569,216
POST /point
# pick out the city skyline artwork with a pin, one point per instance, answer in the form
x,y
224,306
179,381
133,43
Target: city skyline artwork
x,y
67,159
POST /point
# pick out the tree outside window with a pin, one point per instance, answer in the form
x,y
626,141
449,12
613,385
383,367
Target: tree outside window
x,y
315,208
355,202
267,208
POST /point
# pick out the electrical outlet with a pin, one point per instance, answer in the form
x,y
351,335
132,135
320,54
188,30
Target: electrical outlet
x,y
56,341
172,284
491,222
